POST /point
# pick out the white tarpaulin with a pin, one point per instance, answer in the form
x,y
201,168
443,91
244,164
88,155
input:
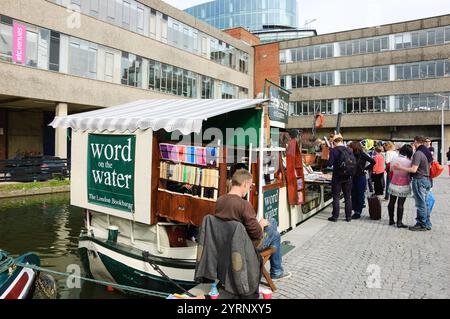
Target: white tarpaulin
x,y
184,115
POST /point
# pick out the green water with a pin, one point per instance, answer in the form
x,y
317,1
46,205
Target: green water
x,y
49,226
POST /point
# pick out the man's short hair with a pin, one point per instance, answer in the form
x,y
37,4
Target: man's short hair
x,y
240,176
420,139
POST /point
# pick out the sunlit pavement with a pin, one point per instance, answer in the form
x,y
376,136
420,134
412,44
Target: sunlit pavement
x,y
370,259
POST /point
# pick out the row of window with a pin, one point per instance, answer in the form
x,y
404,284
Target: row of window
x,y
310,107
365,75
422,102
42,48
408,71
421,38
363,46
422,70
403,103
324,51
308,80
137,17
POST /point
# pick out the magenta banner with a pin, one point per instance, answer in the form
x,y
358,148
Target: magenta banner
x,y
19,42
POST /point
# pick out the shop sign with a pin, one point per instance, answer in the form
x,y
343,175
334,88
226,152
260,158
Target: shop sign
x,y
271,204
278,105
110,171
19,42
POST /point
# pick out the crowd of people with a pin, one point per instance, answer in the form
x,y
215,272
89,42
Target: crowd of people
x,y
389,171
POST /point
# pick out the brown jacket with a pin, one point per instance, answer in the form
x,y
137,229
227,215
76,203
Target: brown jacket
x,y
233,207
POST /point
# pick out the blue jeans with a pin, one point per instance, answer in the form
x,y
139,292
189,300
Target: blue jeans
x,y
273,238
358,193
421,188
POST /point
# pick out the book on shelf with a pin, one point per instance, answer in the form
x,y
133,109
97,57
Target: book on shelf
x,y
195,155
182,173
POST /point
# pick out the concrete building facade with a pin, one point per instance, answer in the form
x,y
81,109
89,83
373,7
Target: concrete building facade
x,y
61,57
390,82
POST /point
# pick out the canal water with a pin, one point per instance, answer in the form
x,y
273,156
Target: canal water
x,y
49,226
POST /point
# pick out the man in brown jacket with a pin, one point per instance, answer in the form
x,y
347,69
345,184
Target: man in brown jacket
x,y
264,232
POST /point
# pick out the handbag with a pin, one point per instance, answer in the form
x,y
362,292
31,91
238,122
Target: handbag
x,y
436,169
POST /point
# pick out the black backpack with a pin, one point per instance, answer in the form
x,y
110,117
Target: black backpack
x,y
346,165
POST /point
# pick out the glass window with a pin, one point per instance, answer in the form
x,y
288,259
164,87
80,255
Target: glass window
x,y
355,76
415,39
329,50
43,48
447,34
364,105
431,37
440,36
349,48
94,6
440,68
370,75
355,47
54,51
111,8
377,45
109,66
399,41
385,43
363,45
305,81
31,48
423,70
294,81
356,106
316,52
349,105
343,77
323,52
384,74
407,72
323,79
377,104
431,69
330,78
363,75
126,13
6,39
349,77
422,38
415,71
370,45
342,48
399,72
370,104
377,74
140,20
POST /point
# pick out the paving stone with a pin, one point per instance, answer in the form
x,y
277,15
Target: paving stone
x,y
350,260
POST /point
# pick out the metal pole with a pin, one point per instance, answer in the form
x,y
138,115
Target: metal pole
x,y
442,134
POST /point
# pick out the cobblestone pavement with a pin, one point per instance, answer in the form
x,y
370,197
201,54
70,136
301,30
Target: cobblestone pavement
x,y
370,259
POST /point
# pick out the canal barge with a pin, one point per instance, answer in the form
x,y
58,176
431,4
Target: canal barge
x,y
147,172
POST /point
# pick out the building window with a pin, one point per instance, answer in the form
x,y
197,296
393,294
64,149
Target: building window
x,y
43,48
207,87
131,70
54,51
6,39
82,58
109,67
31,49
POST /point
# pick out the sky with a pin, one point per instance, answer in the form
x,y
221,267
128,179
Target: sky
x,y
340,15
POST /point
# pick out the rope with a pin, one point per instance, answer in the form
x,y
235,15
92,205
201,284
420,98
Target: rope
x,y
146,255
6,263
147,292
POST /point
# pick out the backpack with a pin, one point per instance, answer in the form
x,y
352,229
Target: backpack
x,y
346,166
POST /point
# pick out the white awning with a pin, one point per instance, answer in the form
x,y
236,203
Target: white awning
x,y
184,115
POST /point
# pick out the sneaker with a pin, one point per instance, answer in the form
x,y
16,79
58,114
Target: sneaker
x,y
417,228
356,216
348,219
284,275
391,222
401,225
332,219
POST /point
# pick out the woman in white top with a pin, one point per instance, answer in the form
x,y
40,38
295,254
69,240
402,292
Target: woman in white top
x,y
389,147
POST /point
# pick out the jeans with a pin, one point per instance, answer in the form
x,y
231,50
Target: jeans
x,y
420,188
272,238
346,187
358,193
386,190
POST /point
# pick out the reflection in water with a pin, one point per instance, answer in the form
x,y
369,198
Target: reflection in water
x,y
49,226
